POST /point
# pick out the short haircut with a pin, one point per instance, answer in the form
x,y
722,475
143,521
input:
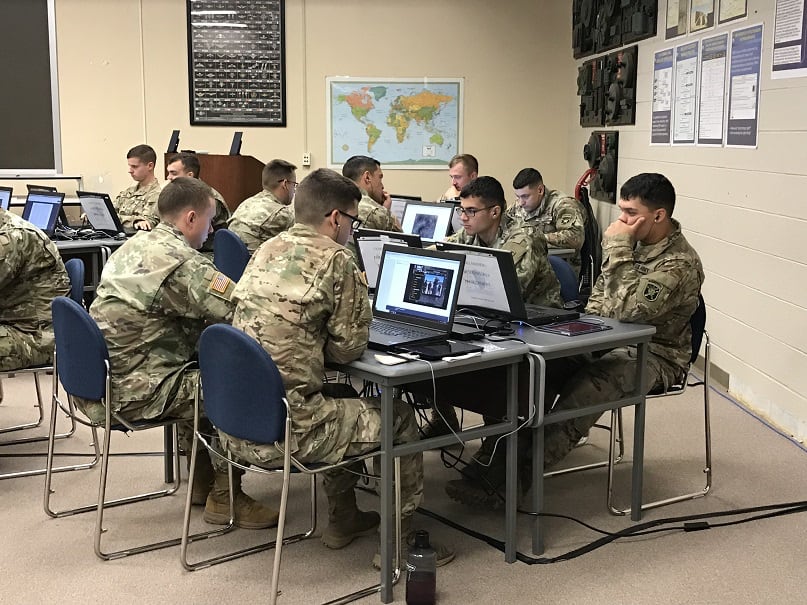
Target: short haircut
x,y
527,177
276,171
488,189
183,193
467,160
144,153
653,190
190,162
358,165
321,192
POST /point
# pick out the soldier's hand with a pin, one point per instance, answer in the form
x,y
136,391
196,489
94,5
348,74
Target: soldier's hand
x,y
142,225
620,228
387,201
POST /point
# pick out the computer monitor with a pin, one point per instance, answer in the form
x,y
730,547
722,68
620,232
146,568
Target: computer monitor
x,y
431,221
398,207
5,197
100,212
370,245
40,188
42,210
235,146
173,143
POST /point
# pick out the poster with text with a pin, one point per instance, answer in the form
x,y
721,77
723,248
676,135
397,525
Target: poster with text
x,y
660,128
789,40
744,70
712,90
686,80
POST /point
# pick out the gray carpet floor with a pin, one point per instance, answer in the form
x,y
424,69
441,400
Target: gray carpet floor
x,y
46,560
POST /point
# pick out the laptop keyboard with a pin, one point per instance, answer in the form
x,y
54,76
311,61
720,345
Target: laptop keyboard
x,y
389,329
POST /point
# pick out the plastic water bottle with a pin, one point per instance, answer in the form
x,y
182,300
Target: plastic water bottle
x,y
421,571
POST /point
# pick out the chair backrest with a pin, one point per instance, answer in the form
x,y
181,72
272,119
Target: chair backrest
x,y
75,271
566,277
697,324
241,385
81,353
591,251
230,254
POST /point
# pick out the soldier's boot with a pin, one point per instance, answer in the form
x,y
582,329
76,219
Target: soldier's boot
x,y
443,553
202,477
443,421
346,522
249,514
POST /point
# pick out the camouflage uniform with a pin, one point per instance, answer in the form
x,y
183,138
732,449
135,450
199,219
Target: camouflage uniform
x,y
219,221
372,216
305,301
535,275
259,218
32,274
561,219
156,296
135,204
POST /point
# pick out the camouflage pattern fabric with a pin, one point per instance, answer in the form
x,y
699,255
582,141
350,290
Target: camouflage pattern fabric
x,y
133,204
259,218
219,221
372,216
538,282
561,219
305,301
32,274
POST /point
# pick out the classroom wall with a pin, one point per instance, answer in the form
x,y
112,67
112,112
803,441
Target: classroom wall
x,y
743,210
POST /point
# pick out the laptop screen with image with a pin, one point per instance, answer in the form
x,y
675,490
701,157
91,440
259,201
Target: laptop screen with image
x,y
431,221
100,212
42,210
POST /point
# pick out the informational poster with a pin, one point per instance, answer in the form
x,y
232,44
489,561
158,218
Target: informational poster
x,y
660,129
701,15
789,40
686,80
732,10
744,70
676,18
712,90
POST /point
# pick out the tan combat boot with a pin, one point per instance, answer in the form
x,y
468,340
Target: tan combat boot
x,y
249,514
346,522
202,478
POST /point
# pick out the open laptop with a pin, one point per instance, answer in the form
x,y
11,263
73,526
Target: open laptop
x,y
370,244
398,204
101,213
430,220
5,197
490,286
42,210
415,298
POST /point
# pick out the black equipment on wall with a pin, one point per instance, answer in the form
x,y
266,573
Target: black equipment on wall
x,y
601,153
607,89
600,25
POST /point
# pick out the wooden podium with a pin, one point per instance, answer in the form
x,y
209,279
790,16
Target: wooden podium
x,y
236,177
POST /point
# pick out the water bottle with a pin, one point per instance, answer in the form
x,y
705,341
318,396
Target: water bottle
x,y
421,571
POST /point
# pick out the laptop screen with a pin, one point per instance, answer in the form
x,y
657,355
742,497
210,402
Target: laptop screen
x,y
42,210
98,208
370,244
418,284
430,221
5,197
397,207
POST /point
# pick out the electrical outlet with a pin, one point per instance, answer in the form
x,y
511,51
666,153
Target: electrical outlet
x,y
306,158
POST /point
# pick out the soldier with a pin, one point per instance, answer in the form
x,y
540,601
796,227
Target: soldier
x,y
462,169
187,164
156,295
375,202
32,274
305,301
650,274
559,217
265,214
137,205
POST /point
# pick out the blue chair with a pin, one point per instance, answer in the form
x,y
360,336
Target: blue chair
x,y
230,254
75,271
245,398
81,363
568,280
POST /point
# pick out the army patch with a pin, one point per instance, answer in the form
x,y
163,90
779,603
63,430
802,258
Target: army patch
x,y
651,291
565,220
220,283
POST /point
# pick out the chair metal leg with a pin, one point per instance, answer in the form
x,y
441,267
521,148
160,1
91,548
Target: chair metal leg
x,y
620,441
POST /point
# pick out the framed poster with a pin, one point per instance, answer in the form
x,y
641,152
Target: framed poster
x,y
701,15
413,123
676,18
732,10
236,62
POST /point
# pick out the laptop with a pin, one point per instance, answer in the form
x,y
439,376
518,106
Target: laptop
x,y
370,244
42,210
398,204
430,220
5,197
490,287
101,213
415,298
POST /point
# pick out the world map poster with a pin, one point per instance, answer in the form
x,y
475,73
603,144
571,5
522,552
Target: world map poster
x,y
402,123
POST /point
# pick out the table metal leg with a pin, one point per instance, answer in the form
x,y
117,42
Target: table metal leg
x,y
511,498
168,461
386,461
538,378
638,435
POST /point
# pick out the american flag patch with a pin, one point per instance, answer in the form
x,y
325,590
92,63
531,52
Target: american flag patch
x,y
220,283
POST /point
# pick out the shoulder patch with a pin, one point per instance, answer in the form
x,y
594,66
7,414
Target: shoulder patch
x,y
219,283
565,220
651,291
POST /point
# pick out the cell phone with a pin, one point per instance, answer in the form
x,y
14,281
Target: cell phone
x,y
438,350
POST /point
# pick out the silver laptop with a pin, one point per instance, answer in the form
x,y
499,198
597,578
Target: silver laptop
x,y
101,213
415,298
370,244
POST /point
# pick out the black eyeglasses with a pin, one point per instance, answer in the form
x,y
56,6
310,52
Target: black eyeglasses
x,y
293,183
471,212
355,222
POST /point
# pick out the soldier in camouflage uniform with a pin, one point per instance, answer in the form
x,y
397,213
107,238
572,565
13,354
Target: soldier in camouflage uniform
x,y
156,295
462,169
559,217
187,164
651,275
265,214
375,202
137,205
305,301
31,276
